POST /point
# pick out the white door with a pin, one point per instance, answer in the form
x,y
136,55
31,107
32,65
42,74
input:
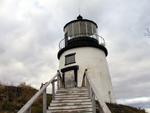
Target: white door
x,y
69,79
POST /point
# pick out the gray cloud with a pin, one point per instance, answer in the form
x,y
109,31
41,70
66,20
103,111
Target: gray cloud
x,y
31,30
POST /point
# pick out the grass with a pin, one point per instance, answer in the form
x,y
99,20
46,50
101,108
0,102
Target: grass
x,y
12,98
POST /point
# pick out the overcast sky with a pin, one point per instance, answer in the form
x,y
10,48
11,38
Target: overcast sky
x,y
30,31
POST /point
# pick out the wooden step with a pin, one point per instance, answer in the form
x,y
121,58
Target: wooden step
x,y
70,104
70,112
71,92
69,101
71,95
74,89
79,110
70,107
72,100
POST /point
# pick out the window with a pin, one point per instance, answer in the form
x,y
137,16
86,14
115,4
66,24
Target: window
x,y
70,59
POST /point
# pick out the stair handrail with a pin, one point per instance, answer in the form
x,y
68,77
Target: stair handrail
x,y
27,107
83,80
94,93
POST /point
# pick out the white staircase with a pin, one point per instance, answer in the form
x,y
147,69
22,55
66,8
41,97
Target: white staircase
x,y
71,100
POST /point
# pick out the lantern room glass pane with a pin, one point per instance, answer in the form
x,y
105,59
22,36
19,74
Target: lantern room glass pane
x,y
93,28
82,28
76,29
89,28
69,31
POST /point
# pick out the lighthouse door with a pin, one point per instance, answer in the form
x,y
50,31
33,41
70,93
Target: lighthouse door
x,y
69,75
70,79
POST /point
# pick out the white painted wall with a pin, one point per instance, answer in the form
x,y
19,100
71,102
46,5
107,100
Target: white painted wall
x,y
95,61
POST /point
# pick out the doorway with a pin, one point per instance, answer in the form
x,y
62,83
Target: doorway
x,y
70,76
69,79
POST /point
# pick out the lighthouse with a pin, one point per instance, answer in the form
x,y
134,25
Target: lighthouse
x,y
83,50
83,83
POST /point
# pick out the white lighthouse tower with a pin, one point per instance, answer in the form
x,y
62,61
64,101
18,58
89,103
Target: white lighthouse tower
x,y
83,79
83,50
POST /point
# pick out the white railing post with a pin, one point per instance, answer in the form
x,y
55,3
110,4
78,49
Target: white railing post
x,y
58,82
44,101
29,110
91,95
88,86
53,90
27,107
93,101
